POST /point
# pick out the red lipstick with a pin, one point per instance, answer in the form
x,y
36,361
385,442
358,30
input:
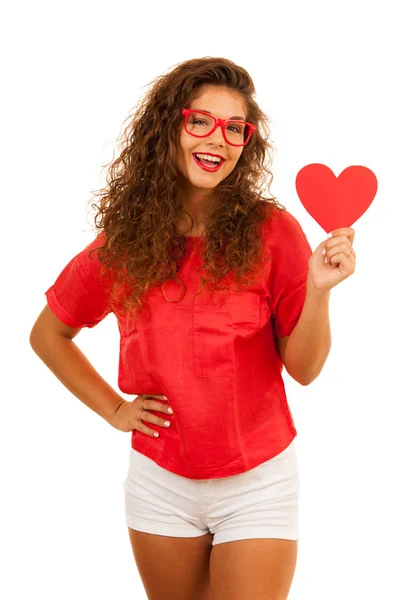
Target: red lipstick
x,y
205,168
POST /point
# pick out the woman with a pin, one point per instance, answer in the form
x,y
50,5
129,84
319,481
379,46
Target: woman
x,y
212,489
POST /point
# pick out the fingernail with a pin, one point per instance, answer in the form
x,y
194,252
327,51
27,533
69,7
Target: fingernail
x,y
167,423
170,410
165,397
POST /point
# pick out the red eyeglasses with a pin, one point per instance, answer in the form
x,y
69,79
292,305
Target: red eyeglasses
x,y
201,124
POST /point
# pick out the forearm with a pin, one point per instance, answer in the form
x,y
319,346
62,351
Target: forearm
x,y
68,363
310,341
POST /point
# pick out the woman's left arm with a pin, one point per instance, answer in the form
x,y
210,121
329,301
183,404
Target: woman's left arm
x,y
309,343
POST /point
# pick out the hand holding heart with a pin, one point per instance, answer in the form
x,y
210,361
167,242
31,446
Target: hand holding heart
x,y
327,269
332,200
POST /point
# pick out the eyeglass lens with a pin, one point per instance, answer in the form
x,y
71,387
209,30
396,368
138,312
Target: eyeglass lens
x,y
201,125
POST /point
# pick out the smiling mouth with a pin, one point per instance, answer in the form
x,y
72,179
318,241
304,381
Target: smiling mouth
x,y
206,167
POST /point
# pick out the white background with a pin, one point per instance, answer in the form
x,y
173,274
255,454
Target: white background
x,y
326,73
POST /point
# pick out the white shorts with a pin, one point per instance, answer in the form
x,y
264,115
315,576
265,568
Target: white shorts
x,y
259,503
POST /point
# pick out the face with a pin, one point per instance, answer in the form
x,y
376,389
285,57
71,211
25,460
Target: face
x,y
196,183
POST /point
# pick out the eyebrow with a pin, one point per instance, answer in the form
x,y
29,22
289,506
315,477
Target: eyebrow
x,y
234,117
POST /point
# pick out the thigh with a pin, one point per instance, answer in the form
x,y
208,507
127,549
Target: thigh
x,y
253,568
172,568
259,503
162,503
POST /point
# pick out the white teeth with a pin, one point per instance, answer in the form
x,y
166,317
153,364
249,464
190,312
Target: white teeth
x,y
209,157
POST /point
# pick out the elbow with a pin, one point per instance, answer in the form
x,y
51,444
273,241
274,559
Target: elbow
x,y
301,380
307,380
301,377
306,373
32,339
304,379
35,338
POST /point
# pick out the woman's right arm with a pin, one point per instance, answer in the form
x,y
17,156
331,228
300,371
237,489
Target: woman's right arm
x,y
52,341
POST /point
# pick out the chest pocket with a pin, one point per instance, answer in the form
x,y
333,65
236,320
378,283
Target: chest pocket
x,y
216,328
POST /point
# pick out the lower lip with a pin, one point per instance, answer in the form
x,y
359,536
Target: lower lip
x,y
210,169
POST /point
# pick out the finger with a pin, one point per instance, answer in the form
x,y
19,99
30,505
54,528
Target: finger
x,y
151,418
346,235
347,261
352,257
160,396
340,249
347,231
144,429
159,406
337,251
335,257
338,243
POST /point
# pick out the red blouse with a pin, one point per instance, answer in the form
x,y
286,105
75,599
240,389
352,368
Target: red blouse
x,y
217,363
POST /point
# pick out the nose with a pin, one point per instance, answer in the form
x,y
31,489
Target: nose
x,y
217,136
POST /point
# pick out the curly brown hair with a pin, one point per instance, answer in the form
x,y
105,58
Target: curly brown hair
x,y
139,208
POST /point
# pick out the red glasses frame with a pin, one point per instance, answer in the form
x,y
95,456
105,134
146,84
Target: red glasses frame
x,y
217,121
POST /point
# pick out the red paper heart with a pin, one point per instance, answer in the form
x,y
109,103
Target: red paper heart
x,y
335,202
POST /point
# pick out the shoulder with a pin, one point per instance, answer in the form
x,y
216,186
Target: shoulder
x,y
89,260
99,240
280,229
278,221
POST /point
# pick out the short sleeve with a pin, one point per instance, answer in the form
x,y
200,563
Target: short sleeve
x,y
78,297
288,272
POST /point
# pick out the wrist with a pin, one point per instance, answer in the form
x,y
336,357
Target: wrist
x,y
318,292
111,417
